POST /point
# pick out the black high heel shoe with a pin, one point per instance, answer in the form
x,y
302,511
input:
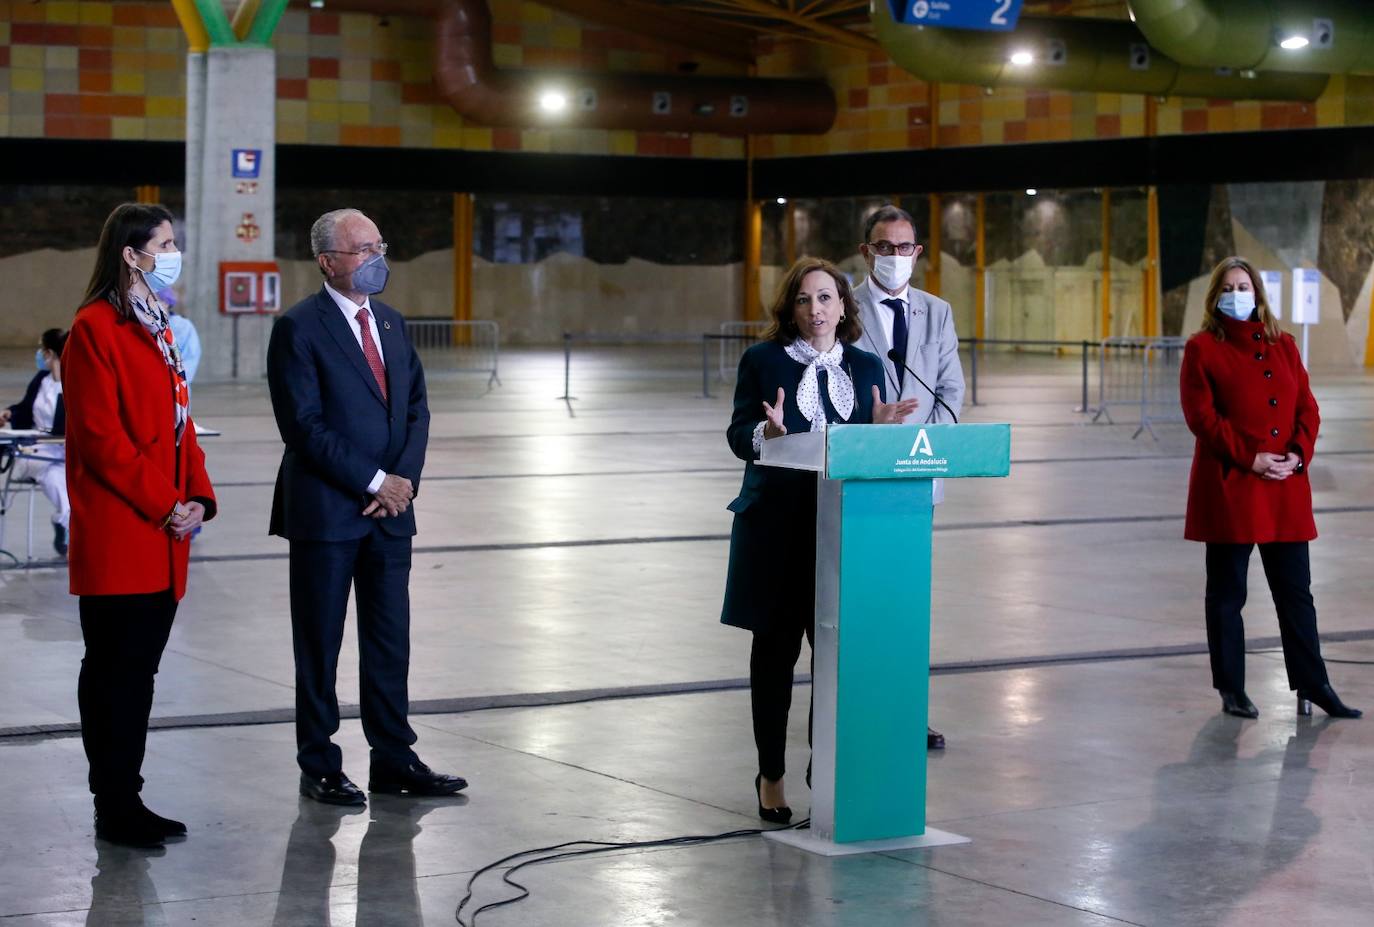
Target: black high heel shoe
x,y
1327,700
1238,704
781,815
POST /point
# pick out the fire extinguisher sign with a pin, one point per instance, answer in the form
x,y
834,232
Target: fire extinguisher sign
x,y
246,163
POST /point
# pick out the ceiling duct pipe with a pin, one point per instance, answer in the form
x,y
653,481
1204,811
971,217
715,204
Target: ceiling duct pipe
x,y
1068,53
1326,36
477,90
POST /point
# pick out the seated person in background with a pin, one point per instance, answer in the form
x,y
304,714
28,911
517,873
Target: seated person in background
x,y
41,409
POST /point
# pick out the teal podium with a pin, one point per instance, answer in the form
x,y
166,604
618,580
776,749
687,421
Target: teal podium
x,y
871,683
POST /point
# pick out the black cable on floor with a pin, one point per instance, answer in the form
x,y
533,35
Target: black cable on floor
x,y
590,847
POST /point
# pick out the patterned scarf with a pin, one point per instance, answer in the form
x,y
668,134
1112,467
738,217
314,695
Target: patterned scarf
x,y
154,319
837,383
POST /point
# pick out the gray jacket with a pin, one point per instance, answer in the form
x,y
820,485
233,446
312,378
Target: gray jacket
x,y
932,350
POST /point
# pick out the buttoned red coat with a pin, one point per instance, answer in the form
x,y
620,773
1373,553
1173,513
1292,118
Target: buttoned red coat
x,y
125,470
1242,396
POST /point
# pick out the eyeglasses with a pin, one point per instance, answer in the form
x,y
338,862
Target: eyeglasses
x,y
378,248
887,248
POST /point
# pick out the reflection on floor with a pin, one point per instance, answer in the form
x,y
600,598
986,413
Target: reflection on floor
x,y
565,553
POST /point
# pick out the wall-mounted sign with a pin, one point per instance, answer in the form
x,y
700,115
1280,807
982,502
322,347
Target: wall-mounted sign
x,y
1307,288
249,287
990,15
246,163
247,230
1273,290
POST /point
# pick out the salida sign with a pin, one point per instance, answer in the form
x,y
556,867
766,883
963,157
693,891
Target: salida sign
x,y
989,15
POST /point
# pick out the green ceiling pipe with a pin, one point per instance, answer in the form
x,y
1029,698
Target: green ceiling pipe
x,y
216,23
1247,33
1091,55
265,23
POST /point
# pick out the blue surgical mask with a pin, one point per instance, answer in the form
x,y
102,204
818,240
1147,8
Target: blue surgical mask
x,y
40,359
166,269
371,277
1238,304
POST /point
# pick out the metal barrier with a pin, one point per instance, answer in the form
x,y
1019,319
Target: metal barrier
x,y
1140,374
449,345
627,339
1160,400
972,344
736,333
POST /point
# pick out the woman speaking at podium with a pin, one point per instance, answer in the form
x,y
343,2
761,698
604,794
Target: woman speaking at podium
x,y
1246,397
804,374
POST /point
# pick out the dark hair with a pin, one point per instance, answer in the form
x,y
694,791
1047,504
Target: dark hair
x,y
888,213
784,325
54,340
130,225
1211,317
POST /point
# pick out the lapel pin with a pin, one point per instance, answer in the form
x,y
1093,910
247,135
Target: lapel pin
x,y
386,325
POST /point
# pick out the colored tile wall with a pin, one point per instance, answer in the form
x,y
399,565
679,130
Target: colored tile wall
x,y
100,70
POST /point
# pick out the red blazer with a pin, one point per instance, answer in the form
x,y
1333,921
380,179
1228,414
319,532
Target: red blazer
x,y
125,471
1241,396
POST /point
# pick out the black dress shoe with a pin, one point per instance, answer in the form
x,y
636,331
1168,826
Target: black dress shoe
x,y
59,540
332,790
415,779
1238,704
934,739
1328,701
781,815
127,828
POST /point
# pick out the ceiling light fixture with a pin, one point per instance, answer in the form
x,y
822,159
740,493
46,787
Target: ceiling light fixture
x,y
1022,58
1031,191
782,201
1294,42
553,101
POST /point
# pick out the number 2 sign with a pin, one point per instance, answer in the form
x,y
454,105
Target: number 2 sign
x,y
988,15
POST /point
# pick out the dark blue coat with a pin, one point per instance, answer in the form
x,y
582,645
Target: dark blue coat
x,y
338,429
771,580
21,413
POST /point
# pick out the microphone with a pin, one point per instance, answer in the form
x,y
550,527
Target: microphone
x,y
898,359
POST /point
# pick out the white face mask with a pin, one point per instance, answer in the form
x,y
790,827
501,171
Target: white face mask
x,y
1238,304
166,269
893,271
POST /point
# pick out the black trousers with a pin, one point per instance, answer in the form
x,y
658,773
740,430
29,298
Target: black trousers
x,y
377,568
125,636
772,660
1287,569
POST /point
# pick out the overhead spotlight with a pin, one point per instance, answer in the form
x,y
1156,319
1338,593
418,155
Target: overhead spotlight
x,y
553,101
1031,191
1294,42
782,201
1021,58
317,4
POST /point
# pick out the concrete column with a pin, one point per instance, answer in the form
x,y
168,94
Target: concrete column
x,y
230,106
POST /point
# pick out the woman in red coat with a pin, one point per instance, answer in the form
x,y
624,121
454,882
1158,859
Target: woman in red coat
x,y
138,488
1246,398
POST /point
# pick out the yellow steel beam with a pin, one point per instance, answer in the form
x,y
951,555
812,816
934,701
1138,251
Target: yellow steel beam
x,y
462,263
196,35
980,257
243,17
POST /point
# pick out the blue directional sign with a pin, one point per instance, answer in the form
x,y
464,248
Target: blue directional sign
x,y
989,15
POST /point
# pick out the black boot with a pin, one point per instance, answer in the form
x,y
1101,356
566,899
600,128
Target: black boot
x,y
165,826
59,540
124,822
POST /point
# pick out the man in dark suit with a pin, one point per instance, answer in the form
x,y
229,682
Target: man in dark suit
x,y
349,398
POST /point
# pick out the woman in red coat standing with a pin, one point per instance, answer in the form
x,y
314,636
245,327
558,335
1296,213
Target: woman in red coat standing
x,y
138,488
1246,398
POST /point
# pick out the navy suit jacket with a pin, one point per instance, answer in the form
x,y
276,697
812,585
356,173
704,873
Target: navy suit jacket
x,y
21,413
337,428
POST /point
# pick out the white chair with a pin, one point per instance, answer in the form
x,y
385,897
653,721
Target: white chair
x,y
11,490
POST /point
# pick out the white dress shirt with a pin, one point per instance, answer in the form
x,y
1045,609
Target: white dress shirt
x,y
45,403
350,310
885,314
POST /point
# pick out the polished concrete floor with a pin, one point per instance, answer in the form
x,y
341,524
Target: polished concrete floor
x,y
568,662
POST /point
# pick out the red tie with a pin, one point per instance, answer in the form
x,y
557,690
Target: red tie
x,y
374,357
